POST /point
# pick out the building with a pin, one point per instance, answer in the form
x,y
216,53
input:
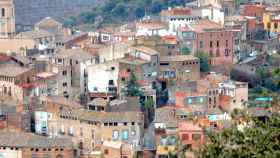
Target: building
x,y
18,145
237,93
178,17
50,25
116,149
15,81
69,65
253,10
180,67
151,28
191,134
90,130
211,38
108,79
271,20
7,18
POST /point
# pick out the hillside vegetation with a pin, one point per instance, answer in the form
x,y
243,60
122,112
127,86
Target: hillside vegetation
x,y
117,11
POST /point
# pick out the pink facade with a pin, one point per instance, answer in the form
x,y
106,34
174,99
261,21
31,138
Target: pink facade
x,y
191,134
218,44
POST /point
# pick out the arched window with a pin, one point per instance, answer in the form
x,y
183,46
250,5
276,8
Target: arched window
x,y
59,156
3,12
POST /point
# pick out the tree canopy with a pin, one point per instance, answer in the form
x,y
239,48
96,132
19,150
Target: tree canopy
x,y
204,61
257,139
126,10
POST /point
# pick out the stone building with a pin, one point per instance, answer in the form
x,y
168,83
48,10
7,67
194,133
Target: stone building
x,y
90,129
66,63
17,145
180,67
15,81
7,19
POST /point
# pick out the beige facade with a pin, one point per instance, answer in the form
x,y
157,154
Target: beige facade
x,y
7,19
16,45
180,67
89,130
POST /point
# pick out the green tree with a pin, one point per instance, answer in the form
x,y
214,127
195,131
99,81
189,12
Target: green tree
x,y
120,10
204,61
255,140
87,17
185,51
70,22
133,89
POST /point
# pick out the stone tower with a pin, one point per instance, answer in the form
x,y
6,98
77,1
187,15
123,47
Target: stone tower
x,y
7,19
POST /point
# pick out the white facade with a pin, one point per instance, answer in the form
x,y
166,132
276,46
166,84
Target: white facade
x,y
214,14
141,31
100,75
9,153
177,22
84,75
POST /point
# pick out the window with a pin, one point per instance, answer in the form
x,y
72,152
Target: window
x,y
218,43
210,101
64,84
201,99
190,101
200,44
226,43
226,52
64,72
125,135
196,136
133,132
275,25
81,132
185,137
106,151
59,156
3,12
164,64
111,82
115,135
211,44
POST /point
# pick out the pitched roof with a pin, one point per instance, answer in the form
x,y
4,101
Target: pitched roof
x,y
94,116
34,34
129,104
20,139
77,53
98,102
62,101
48,22
176,12
146,50
13,71
205,24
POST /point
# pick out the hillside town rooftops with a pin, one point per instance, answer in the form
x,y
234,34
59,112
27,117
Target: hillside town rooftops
x,y
178,58
146,50
20,139
13,71
176,12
